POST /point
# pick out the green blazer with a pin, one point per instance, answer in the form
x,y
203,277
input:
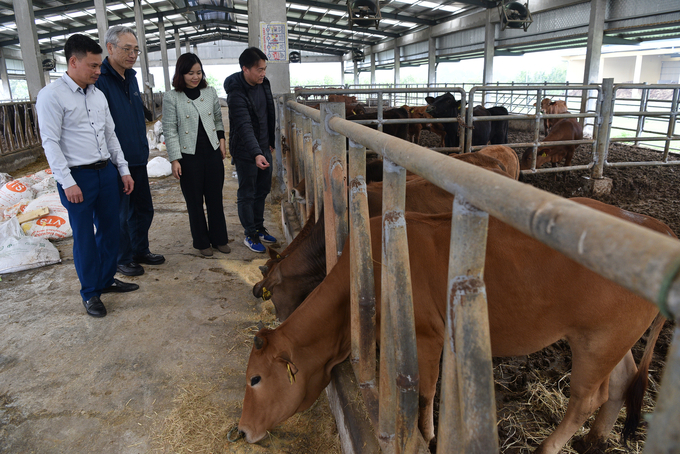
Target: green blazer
x,y
180,121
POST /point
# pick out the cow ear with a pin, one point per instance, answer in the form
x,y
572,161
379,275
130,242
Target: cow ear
x,y
273,254
259,343
429,99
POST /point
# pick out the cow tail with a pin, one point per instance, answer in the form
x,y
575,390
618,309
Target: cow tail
x,y
636,390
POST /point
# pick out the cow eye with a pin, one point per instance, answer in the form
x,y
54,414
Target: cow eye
x,y
255,380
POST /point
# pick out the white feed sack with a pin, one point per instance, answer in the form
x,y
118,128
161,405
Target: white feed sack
x,y
53,226
158,167
19,252
13,192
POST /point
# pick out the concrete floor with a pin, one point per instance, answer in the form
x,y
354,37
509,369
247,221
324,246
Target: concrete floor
x,y
73,383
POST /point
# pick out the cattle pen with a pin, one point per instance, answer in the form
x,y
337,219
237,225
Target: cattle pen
x,y
644,262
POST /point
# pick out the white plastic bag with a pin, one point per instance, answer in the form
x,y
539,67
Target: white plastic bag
x,y
19,252
14,192
53,226
159,167
151,138
47,185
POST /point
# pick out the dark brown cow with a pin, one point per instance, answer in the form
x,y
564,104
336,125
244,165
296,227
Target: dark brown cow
x,y
290,366
565,129
415,129
397,130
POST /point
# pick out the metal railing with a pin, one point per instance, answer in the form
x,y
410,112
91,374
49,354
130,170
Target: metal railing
x,y
18,127
319,154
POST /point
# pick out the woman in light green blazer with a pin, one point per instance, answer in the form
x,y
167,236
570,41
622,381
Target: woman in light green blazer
x,y
194,137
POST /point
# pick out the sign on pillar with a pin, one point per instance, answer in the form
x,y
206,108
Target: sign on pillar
x,y
274,41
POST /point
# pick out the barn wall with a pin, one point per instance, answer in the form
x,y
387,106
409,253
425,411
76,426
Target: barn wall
x,y
621,69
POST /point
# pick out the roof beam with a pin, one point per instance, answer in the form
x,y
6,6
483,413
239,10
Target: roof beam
x,y
336,7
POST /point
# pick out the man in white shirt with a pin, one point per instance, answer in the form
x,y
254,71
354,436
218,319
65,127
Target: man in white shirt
x,y
81,147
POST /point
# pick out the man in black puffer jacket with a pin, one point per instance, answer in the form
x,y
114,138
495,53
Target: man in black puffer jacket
x,y
251,142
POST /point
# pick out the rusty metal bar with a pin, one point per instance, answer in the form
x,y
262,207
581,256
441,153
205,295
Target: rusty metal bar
x,y
335,182
318,169
467,423
308,164
363,355
663,436
399,402
300,162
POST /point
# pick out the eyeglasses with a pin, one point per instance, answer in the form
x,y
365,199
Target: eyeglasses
x,y
129,50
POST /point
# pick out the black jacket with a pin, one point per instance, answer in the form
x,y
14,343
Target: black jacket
x,y
244,126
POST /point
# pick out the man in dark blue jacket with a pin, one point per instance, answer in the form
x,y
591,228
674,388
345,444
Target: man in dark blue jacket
x,y
252,122
119,84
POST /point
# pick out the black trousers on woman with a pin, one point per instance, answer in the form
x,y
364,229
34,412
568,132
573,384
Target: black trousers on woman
x,y
202,180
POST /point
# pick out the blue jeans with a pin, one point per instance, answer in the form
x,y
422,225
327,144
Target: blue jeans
x,y
135,216
253,186
94,254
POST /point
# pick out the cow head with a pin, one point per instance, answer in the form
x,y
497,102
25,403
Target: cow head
x,y
444,106
543,155
275,387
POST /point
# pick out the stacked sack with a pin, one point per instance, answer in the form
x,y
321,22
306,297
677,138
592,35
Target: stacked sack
x,y
31,193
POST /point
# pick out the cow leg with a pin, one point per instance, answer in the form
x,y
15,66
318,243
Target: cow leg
x,y
589,389
429,354
619,380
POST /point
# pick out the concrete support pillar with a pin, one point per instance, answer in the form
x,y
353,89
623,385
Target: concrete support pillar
x,y
342,72
194,49
432,61
270,13
637,73
187,44
30,50
373,58
489,46
5,88
141,39
356,73
593,56
397,64
102,24
164,52
178,45
46,75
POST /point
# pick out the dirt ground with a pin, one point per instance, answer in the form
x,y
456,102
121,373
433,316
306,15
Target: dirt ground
x,y
164,371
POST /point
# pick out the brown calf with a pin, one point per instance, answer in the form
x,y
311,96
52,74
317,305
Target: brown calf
x,y
565,129
549,106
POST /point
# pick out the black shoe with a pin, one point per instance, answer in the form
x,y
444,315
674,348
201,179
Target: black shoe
x,y
149,259
94,307
120,287
131,269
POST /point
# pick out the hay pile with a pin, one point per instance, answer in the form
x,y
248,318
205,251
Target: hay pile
x,y
200,421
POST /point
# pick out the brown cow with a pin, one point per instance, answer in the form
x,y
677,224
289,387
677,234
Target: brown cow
x,y
506,156
565,129
415,129
290,366
549,106
350,108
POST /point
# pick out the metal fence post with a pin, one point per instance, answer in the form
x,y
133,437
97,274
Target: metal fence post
x,y
299,161
363,355
671,123
467,414
399,374
644,96
335,183
604,128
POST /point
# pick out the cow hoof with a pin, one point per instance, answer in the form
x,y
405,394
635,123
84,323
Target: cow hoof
x,y
584,446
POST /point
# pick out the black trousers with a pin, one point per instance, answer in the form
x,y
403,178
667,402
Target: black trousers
x,y
253,186
136,214
202,180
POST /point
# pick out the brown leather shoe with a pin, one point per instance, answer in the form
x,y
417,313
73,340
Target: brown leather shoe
x,y
225,249
207,252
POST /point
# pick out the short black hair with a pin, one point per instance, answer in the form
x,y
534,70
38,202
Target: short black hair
x,y
79,45
184,64
250,57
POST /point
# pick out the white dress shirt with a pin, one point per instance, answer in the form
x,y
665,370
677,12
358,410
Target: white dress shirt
x,y
76,129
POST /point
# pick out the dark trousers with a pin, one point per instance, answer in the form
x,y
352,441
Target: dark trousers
x,y
136,214
253,186
202,179
94,254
